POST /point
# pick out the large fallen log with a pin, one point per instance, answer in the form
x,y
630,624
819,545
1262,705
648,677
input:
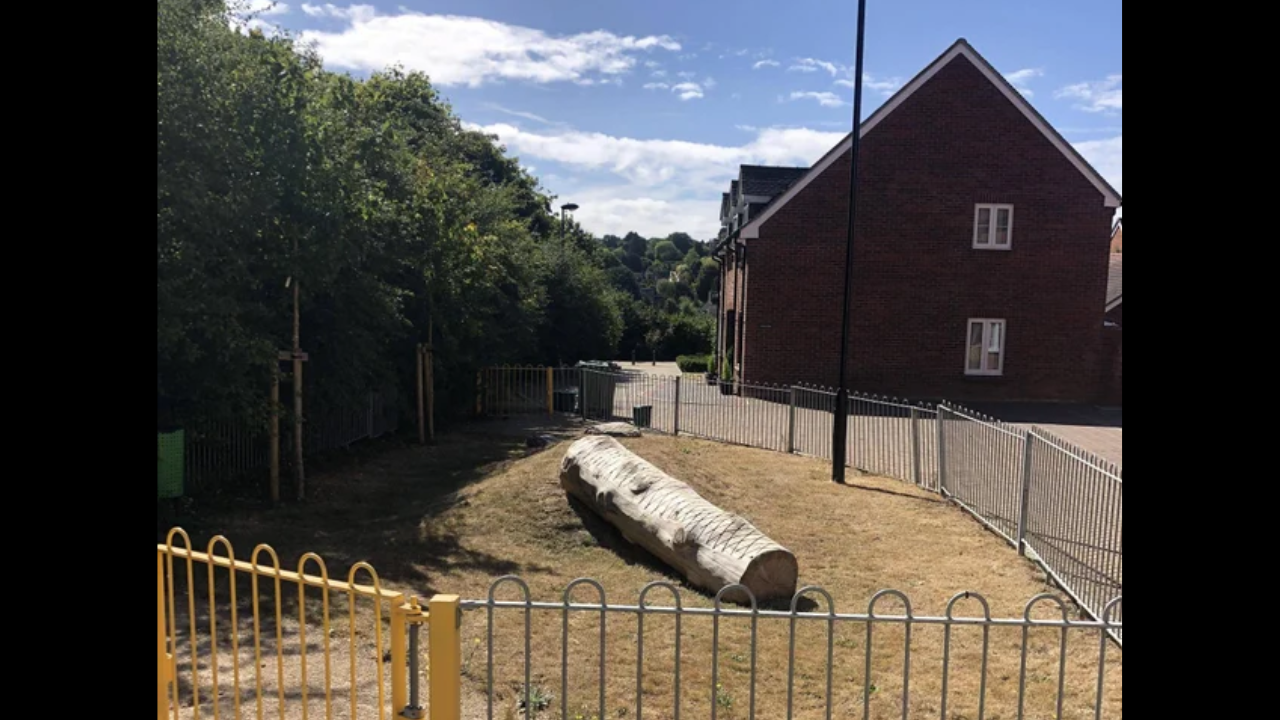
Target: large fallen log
x,y
711,548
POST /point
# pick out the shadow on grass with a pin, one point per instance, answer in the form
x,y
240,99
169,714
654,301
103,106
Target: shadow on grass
x,y
611,539
379,506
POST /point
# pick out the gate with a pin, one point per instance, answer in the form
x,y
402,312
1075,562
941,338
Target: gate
x,y
199,640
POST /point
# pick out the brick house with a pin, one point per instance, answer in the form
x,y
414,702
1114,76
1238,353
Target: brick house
x,y
978,268
1117,237
1115,289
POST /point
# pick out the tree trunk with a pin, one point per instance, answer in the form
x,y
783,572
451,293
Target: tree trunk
x,y
711,548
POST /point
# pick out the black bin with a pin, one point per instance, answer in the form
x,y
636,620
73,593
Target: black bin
x,y
565,401
642,416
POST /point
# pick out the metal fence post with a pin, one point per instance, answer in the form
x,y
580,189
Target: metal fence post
x,y
675,423
445,657
1026,494
915,446
399,655
942,451
582,392
163,673
791,422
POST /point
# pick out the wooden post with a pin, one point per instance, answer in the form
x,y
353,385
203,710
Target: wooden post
x,y
299,473
550,393
428,364
296,358
274,450
418,381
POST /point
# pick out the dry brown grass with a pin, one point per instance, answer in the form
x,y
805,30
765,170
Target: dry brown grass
x,y
453,517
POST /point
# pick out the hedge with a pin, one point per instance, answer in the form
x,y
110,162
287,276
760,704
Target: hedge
x,y
694,363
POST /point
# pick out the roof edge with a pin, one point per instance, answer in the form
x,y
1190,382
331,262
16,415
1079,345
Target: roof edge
x,y
960,47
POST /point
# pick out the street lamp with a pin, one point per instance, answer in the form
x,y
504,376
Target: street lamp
x,y
840,425
567,206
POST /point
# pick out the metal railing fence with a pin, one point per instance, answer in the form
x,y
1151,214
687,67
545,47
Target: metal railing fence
x,y
596,658
220,450
237,638
1060,502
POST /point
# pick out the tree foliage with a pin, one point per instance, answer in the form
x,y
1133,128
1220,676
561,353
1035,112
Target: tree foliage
x,y
372,196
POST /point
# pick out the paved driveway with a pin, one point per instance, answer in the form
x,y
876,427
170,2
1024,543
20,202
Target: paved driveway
x,y
1097,430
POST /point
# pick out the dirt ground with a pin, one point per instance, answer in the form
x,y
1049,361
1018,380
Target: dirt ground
x,y
452,517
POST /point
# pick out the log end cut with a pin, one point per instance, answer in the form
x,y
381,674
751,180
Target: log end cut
x,y
772,575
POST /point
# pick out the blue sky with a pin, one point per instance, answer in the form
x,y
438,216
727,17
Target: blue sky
x,y
641,112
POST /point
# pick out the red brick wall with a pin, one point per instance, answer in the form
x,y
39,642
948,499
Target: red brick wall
x,y
1112,366
917,279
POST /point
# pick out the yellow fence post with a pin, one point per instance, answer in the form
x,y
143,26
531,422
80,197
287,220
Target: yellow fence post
x,y
550,399
445,657
162,655
399,656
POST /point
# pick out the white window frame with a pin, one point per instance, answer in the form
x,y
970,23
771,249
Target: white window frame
x,y
987,324
990,244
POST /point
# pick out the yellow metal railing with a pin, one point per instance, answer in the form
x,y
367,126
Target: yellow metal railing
x,y
191,671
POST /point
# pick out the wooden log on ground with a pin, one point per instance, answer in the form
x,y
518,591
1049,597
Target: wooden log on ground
x,y
710,547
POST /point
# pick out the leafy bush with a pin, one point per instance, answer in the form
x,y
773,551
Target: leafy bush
x,y
694,363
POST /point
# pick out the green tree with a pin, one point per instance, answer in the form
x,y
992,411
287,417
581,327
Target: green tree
x,y
666,252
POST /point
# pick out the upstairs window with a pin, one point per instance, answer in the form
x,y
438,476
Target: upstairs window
x,y
985,348
992,227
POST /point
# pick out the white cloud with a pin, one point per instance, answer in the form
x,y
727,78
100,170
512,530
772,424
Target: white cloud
x,y
687,90
765,63
472,51
1107,157
825,99
522,114
812,64
252,14
657,186
658,73
882,85
264,7
1097,96
687,74
1019,79
652,64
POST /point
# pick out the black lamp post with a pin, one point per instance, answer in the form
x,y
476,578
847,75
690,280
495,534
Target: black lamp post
x,y
567,206
840,425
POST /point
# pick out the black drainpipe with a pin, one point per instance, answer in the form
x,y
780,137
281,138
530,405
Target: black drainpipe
x,y
715,351
739,268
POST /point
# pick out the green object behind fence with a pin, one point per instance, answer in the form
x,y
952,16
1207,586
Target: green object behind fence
x,y
170,463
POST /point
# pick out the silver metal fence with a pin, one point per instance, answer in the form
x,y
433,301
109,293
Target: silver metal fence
x,y
1073,519
701,659
984,468
220,450
894,438
1060,502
